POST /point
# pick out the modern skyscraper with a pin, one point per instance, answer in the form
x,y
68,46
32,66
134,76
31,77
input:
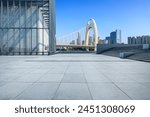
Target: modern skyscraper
x,y
79,39
27,26
115,37
73,42
90,40
83,42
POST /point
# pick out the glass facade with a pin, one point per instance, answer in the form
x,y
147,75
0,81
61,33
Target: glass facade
x,y
27,27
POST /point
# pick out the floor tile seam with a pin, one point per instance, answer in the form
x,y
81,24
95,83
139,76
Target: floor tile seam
x,y
22,91
49,70
123,91
40,78
53,98
32,84
87,84
118,87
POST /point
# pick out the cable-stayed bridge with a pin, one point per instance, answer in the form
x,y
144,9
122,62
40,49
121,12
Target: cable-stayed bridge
x,y
73,36
80,39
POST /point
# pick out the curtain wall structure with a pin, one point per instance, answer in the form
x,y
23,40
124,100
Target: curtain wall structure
x,y
27,27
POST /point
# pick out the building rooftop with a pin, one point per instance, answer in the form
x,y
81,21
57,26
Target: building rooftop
x,y
73,77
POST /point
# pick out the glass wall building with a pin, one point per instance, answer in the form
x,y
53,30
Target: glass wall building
x,y
115,37
27,27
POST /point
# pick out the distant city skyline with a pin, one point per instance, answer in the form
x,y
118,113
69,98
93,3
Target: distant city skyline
x,y
115,37
131,16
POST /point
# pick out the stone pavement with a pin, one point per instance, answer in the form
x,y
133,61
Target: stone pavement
x,y
73,77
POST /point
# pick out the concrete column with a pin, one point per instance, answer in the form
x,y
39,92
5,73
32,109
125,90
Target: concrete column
x,y
52,27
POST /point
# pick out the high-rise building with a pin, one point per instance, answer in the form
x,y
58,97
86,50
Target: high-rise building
x,y
101,41
27,26
73,42
119,36
93,39
83,42
131,40
79,39
139,40
115,37
90,40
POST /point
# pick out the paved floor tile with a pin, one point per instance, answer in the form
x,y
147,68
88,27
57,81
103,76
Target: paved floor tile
x,y
106,91
73,91
74,70
119,77
135,90
39,91
29,78
96,78
140,77
2,83
6,77
51,78
74,78
11,90
42,71
57,70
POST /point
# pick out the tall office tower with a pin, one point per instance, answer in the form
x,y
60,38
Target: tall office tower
x,y
73,42
119,36
79,39
108,40
115,37
129,40
90,40
138,40
93,39
100,41
83,42
27,26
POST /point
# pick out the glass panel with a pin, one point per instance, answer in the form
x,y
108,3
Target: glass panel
x,y
46,38
34,14
16,44
10,14
22,14
28,14
4,18
40,41
0,14
16,14
1,39
28,41
22,40
11,37
34,43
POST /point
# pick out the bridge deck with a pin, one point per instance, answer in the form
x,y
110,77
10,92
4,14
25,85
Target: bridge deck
x,y
84,46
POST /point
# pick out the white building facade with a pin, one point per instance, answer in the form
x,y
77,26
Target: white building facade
x,y
139,40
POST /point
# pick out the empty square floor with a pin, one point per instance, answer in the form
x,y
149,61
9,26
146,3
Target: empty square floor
x,y
73,77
